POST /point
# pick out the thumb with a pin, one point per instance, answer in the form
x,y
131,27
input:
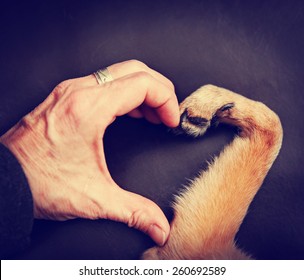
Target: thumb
x,y
142,214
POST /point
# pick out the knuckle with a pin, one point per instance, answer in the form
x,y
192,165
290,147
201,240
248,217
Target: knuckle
x,y
171,85
76,105
27,121
137,65
70,112
136,220
62,86
142,77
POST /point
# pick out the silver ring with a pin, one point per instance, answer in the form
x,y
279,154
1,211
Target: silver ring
x,y
103,76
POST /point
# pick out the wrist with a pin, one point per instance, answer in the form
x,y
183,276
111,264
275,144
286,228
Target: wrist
x,y
26,142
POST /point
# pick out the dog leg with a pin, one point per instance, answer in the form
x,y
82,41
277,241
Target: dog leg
x,y
209,212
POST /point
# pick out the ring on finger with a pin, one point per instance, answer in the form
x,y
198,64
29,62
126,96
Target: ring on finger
x,y
103,76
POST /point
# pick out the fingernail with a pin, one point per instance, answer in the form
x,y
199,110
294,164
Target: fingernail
x,y
157,234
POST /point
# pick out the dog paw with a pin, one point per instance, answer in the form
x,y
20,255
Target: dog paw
x,y
205,107
210,105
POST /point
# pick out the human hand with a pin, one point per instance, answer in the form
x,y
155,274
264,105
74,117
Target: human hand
x,y
60,146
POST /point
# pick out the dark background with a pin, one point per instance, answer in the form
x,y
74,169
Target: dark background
x,y
251,47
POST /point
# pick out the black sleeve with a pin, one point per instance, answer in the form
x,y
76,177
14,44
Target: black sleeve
x,y
16,206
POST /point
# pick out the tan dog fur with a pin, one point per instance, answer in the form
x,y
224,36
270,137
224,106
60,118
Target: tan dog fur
x,y
209,212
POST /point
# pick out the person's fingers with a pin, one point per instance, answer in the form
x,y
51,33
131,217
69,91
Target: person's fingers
x,y
129,92
150,114
136,113
120,70
101,105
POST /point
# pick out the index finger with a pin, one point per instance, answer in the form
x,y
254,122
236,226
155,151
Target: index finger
x,y
123,95
121,69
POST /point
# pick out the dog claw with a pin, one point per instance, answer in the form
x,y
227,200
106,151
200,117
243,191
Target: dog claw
x,y
226,107
198,121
